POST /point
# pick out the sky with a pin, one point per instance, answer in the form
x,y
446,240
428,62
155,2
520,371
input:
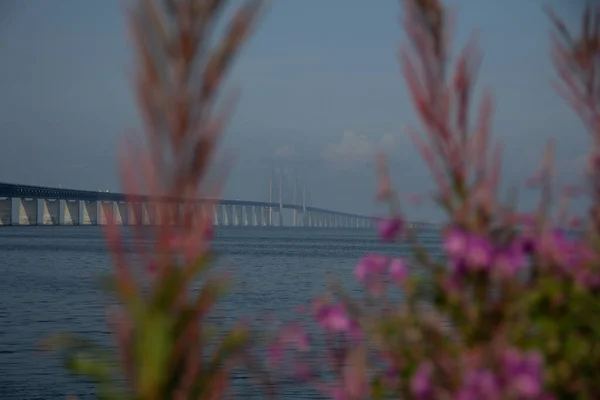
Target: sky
x,y
321,91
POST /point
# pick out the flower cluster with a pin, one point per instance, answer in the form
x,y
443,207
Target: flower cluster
x,y
473,252
505,314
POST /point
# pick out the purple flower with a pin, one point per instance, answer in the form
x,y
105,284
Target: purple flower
x,y
333,318
295,337
479,253
587,278
476,251
510,260
479,385
389,228
523,372
369,265
420,384
455,243
528,244
398,270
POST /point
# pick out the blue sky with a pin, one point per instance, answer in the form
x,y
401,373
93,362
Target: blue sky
x,y
320,88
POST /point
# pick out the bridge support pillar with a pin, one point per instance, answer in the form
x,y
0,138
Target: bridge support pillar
x,y
152,213
245,212
107,212
134,213
70,212
6,211
145,214
160,214
255,216
215,214
263,216
223,220
50,211
235,211
89,214
120,213
207,212
28,211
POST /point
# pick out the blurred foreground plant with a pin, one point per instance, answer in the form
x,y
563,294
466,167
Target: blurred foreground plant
x,y
506,313
509,310
165,349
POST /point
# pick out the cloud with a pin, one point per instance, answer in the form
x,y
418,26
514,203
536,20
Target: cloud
x,y
356,149
285,151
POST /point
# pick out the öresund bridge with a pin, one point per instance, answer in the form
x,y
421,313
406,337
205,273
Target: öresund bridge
x,y
85,207
41,205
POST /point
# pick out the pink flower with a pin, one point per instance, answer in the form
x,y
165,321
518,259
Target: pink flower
x,y
389,228
476,251
292,337
524,372
479,385
295,337
420,384
370,265
455,243
528,244
586,278
333,318
510,260
479,253
398,270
